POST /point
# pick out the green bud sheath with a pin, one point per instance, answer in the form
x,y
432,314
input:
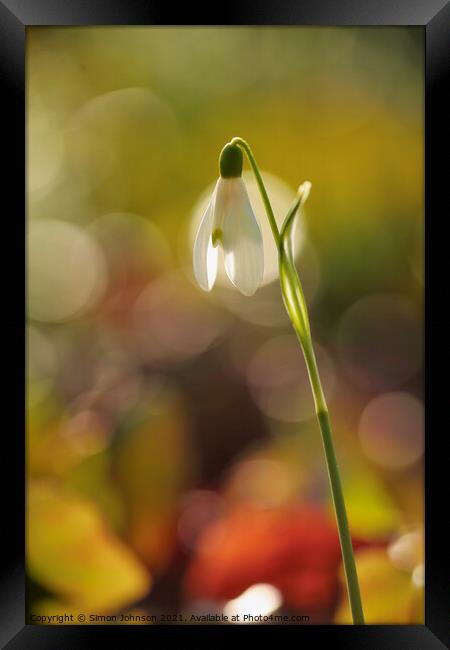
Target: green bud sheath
x,y
230,161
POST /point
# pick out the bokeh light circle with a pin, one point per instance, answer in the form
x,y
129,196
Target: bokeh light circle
x,y
171,322
45,152
260,482
406,551
391,430
66,271
257,601
112,135
279,381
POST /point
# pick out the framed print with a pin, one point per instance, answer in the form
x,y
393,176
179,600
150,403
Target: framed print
x,y
230,423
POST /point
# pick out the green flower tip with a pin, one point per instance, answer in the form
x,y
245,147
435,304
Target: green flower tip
x,y
216,236
230,161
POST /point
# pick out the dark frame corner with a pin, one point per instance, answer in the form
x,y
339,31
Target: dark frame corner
x,y
434,17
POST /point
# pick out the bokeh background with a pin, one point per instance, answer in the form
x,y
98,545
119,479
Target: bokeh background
x,y
174,463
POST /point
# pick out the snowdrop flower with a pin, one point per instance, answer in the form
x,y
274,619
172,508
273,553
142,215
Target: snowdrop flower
x,y
229,222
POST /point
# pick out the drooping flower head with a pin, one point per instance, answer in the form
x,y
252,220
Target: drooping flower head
x,y
229,222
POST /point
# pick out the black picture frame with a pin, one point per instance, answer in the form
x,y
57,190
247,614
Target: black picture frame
x,y
15,17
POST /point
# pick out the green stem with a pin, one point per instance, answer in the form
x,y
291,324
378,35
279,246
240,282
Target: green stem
x,y
345,539
297,310
273,224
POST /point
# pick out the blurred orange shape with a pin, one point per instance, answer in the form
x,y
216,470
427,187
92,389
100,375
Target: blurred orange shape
x,y
72,553
307,587
295,549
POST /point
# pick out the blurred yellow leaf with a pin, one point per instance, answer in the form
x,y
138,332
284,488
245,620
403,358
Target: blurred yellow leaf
x,y
72,553
372,513
49,451
389,595
91,478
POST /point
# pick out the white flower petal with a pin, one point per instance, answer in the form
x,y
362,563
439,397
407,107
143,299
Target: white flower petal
x,y
205,255
223,191
242,241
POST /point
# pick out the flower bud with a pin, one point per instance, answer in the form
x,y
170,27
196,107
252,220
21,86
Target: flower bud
x,y
230,161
